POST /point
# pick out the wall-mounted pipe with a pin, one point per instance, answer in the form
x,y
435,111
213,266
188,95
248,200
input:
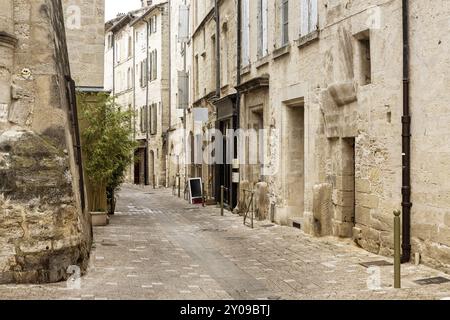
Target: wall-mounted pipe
x,y
406,141
217,17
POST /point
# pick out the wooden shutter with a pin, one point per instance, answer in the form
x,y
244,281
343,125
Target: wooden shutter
x,y
183,24
314,16
183,90
304,30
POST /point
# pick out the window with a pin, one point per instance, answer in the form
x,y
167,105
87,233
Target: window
x,y
153,24
262,28
130,46
183,24
110,40
143,74
284,22
365,60
117,52
183,90
245,32
153,65
196,78
153,118
212,61
129,79
309,16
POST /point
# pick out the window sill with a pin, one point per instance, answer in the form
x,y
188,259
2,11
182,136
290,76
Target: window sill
x,y
306,40
262,61
281,52
203,54
245,70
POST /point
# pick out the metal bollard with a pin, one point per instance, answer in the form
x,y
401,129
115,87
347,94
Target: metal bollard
x,y
253,206
203,195
222,189
179,186
397,248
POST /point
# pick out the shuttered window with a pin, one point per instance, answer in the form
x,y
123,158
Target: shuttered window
x,y
309,17
284,22
183,24
245,32
262,28
183,90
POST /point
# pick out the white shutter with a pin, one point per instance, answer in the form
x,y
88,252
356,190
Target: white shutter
x,y
314,16
183,24
183,90
245,32
265,15
305,18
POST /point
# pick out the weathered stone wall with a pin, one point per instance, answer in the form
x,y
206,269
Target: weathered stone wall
x,y
43,228
85,32
352,119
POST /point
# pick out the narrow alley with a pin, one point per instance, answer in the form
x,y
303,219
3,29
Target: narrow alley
x,y
159,247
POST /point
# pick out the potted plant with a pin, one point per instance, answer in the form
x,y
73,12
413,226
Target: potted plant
x,y
108,148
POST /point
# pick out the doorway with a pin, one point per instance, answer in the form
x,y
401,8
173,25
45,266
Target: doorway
x,y
347,206
295,164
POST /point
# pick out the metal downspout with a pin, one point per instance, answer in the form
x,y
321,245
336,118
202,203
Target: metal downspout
x,y
406,141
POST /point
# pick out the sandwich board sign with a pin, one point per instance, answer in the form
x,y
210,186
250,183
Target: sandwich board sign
x,y
195,190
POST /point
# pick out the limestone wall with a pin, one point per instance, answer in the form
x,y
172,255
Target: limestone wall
x,y
85,31
43,228
351,121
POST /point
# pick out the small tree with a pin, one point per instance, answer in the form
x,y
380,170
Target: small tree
x,y
107,145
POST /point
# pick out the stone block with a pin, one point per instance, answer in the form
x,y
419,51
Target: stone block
x,y
345,183
367,200
362,186
443,236
35,247
424,231
342,229
345,198
343,93
363,216
344,214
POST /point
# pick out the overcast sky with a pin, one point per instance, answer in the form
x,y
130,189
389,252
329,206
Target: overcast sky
x,y
113,7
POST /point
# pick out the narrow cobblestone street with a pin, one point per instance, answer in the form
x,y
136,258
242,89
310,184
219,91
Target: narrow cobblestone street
x,y
159,247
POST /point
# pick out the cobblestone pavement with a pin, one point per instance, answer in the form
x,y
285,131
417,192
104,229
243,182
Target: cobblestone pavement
x,y
159,247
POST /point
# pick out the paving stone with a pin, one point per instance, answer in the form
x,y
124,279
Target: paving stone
x,y
161,252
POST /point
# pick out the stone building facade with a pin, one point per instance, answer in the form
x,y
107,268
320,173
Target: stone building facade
x,y
85,32
324,79
137,72
180,83
44,227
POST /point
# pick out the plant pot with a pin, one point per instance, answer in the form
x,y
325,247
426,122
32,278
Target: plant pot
x,y
99,219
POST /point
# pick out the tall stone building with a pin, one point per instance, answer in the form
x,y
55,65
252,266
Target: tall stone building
x,y
44,227
354,125
180,84
137,73
85,33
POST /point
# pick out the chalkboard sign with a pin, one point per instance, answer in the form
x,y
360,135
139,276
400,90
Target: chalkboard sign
x,y
195,189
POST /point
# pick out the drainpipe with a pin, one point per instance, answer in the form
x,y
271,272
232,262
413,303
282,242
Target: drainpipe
x,y
217,13
169,5
238,59
7,45
147,112
238,74
406,141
